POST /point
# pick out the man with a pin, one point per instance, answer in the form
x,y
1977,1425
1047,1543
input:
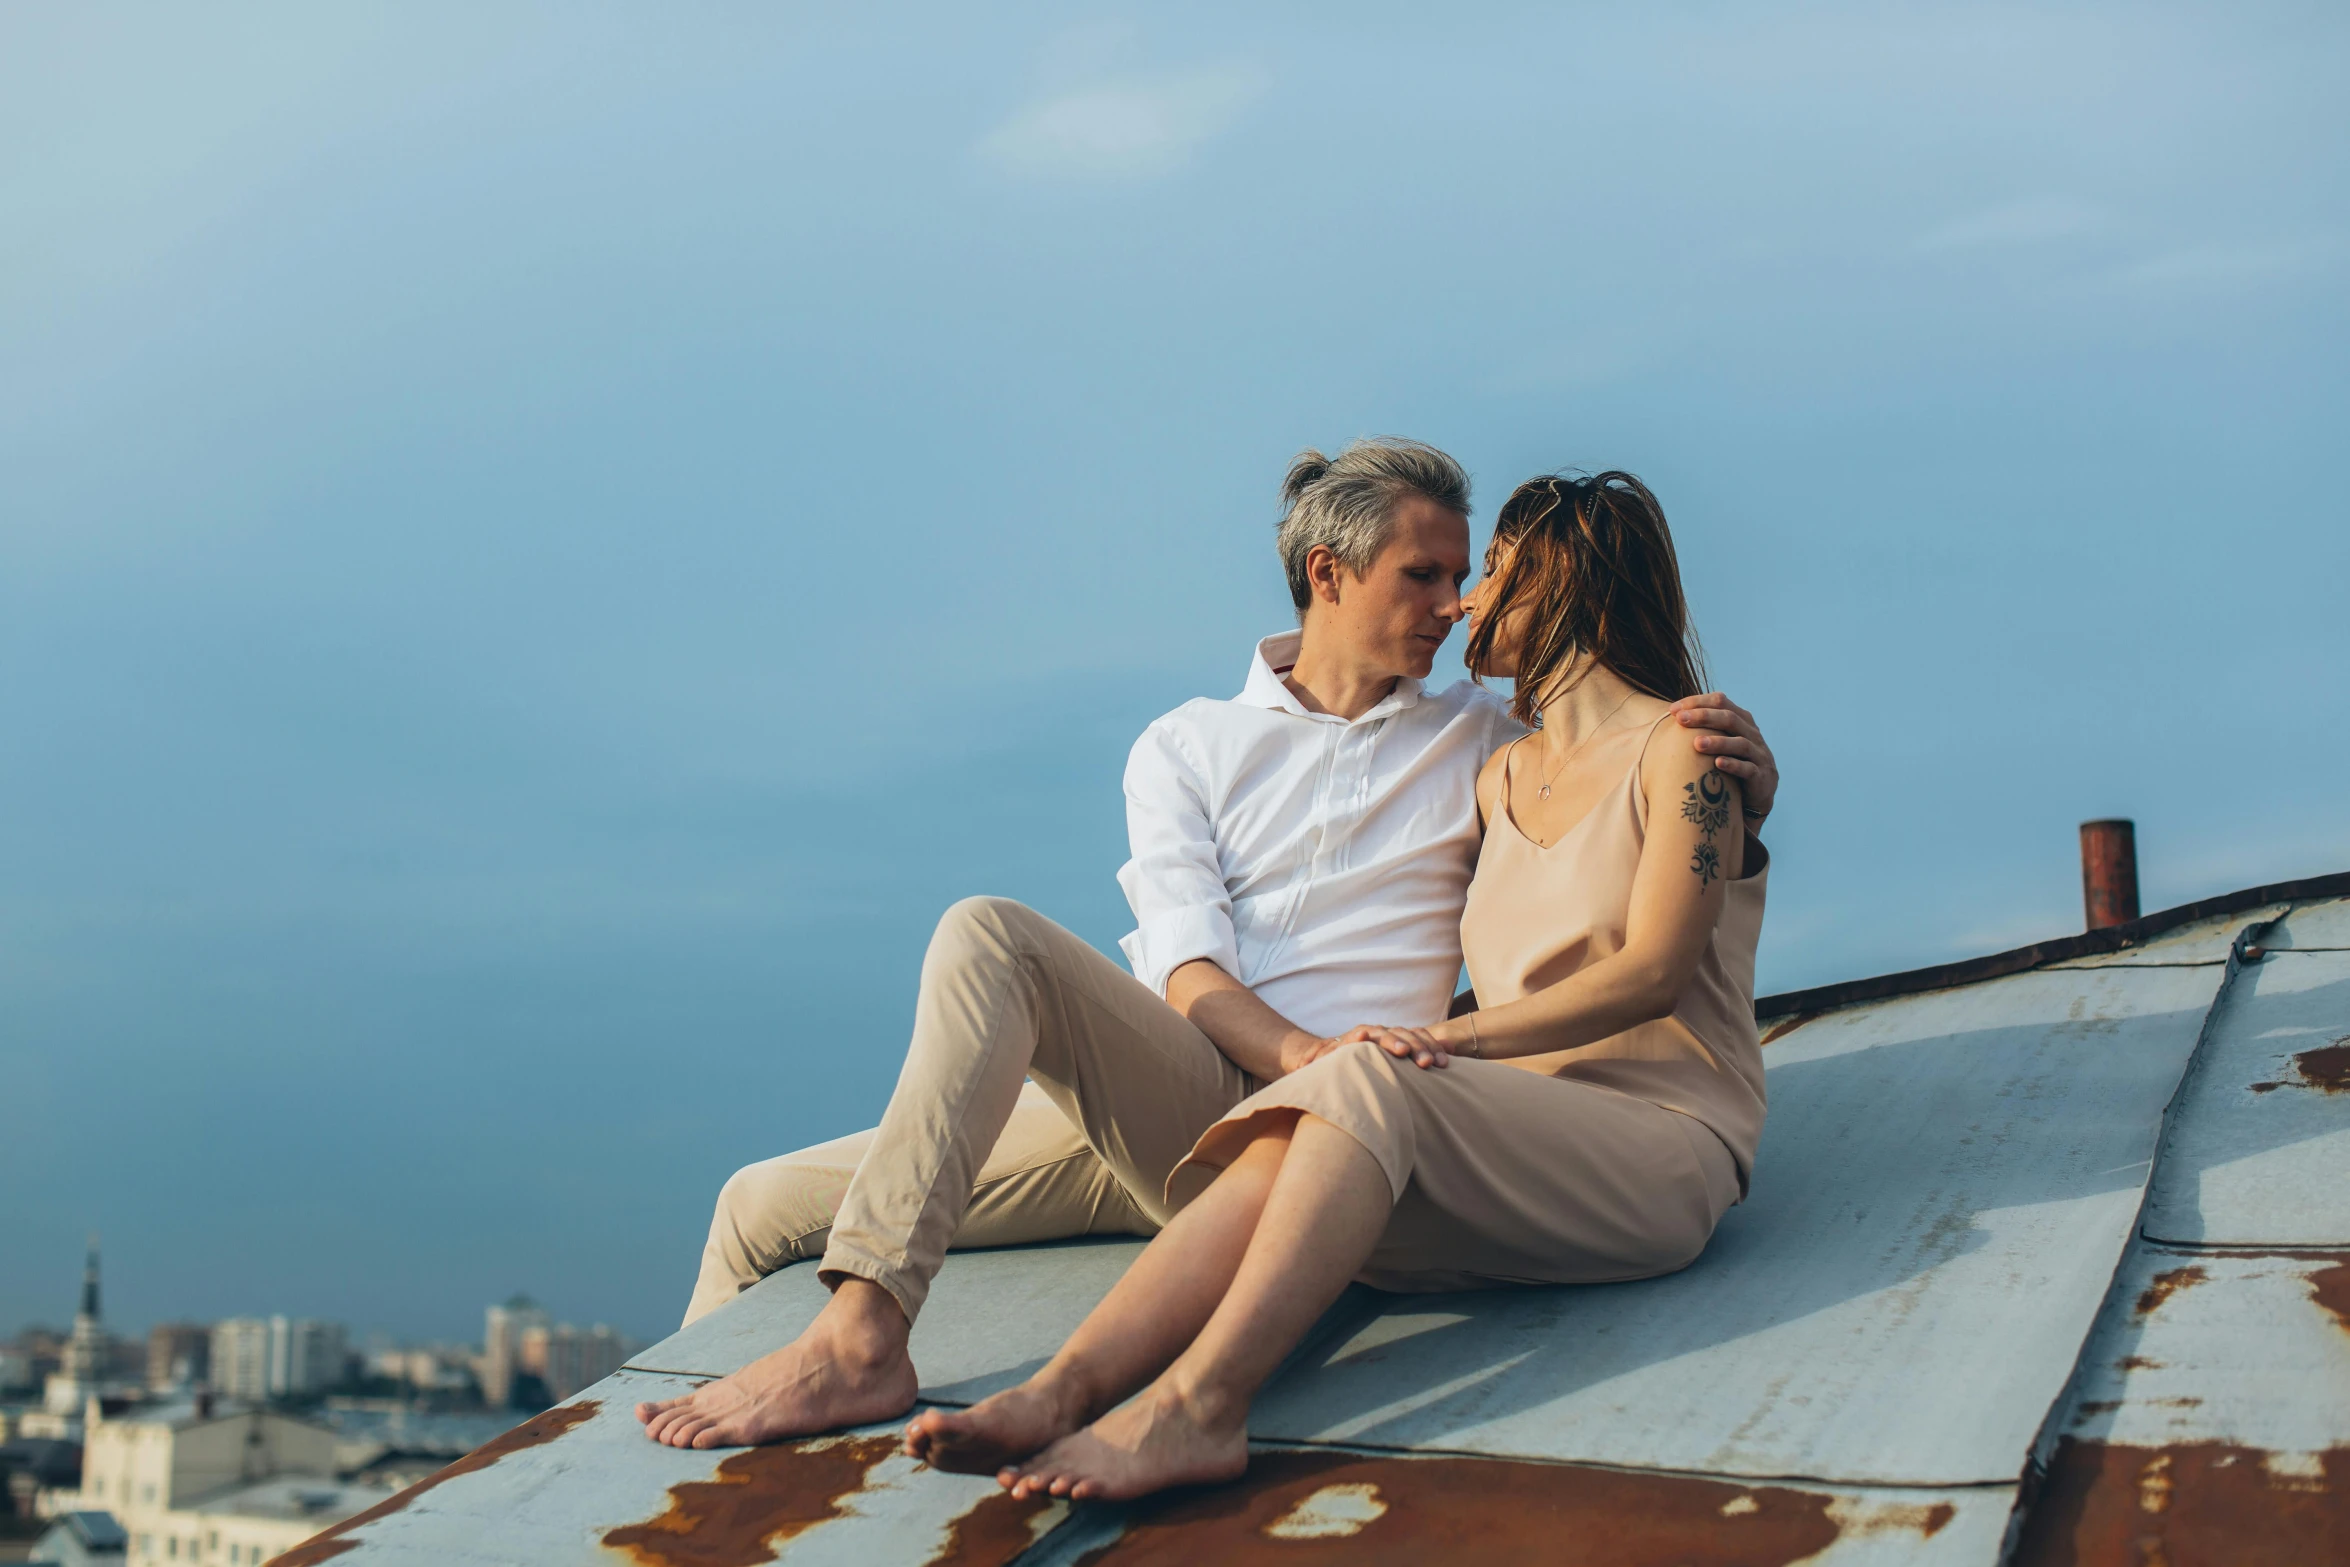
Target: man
x,y
1300,858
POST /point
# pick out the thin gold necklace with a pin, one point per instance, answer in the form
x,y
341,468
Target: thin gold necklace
x,y
1543,793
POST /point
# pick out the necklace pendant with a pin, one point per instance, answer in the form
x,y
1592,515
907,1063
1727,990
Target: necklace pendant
x,y
1542,793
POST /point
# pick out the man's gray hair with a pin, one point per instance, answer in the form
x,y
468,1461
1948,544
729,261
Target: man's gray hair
x,y
1347,503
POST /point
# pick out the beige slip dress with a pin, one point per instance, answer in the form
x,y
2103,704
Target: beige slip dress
x,y
1610,1161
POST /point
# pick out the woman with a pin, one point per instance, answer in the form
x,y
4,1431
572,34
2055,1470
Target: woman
x,y
1589,1122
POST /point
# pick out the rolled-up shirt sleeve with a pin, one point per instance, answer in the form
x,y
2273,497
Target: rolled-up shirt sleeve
x,y
1175,880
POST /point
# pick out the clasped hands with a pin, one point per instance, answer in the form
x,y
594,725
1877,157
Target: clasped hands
x,y
1420,1046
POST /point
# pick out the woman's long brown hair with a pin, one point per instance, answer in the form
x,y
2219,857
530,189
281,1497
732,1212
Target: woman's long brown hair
x,y
1593,562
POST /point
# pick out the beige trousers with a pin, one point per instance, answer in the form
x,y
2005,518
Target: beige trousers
x,y
1118,1085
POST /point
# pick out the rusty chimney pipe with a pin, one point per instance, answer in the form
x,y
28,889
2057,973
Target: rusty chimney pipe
x,y
2109,871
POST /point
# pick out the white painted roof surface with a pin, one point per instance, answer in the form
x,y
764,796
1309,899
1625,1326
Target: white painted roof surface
x,y
1936,1288
2311,926
2260,1154
2203,1346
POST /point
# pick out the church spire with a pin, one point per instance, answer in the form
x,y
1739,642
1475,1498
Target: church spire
x,y
83,1364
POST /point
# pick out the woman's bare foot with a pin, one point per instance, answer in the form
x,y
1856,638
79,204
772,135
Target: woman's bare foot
x,y
849,1368
1160,1439
996,1431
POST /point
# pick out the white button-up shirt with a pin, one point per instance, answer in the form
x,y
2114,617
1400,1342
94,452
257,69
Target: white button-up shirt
x,y
1320,861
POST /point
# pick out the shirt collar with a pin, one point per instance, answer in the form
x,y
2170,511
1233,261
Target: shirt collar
x,y
1274,657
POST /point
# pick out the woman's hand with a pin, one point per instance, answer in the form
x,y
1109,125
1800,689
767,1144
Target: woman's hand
x,y
1417,1045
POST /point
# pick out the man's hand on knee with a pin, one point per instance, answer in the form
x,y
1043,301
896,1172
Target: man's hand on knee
x,y
1253,1037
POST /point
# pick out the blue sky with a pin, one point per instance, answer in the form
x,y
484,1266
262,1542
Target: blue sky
x,y
540,546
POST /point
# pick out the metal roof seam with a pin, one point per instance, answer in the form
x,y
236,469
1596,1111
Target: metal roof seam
x,y
2039,1457
2043,1450
2312,1251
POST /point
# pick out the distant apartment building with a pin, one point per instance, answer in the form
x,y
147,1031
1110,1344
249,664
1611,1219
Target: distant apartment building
x,y
504,1329
434,1368
257,1358
306,1356
179,1355
240,1358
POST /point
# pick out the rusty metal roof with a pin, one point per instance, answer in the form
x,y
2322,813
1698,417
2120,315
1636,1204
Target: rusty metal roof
x,y
2047,1260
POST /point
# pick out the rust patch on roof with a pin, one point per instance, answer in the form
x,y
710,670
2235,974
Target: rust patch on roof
x,y
2331,1288
992,1533
2107,1505
758,1499
2166,1284
537,1431
1863,1519
1346,1510
2327,1068
1785,1026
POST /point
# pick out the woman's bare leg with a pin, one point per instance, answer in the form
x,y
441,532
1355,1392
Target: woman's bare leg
x,y
1153,1311
1328,1205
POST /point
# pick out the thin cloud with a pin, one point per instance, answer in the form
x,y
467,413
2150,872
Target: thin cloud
x,y
1132,128
2019,223
2222,266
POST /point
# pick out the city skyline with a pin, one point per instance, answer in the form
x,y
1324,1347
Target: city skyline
x,y
274,1358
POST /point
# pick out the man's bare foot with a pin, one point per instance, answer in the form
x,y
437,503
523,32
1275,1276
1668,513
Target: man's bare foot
x,y
996,1431
849,1368
1160,1439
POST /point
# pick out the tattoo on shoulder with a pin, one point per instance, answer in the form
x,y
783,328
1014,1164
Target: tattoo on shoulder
x,y
1708,806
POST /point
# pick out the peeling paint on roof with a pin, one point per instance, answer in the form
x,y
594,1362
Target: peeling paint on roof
x,y
605,1494
1306,1509
761,1499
